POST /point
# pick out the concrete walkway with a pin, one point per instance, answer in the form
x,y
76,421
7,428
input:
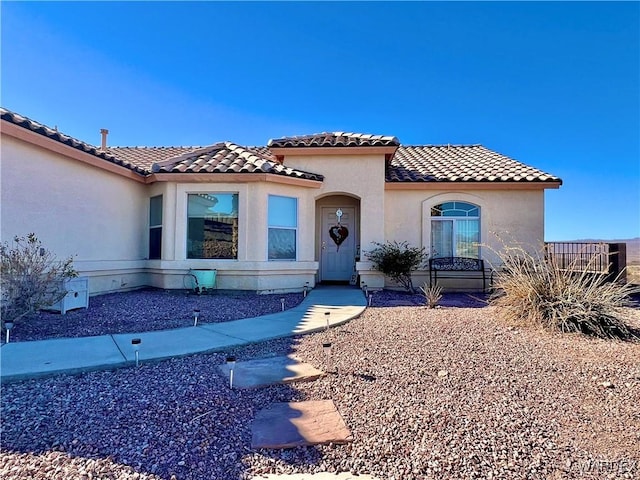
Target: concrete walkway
x,y
22,360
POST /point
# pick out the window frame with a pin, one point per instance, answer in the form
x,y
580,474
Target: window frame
x,y
271,226
235,209
455,219
154,227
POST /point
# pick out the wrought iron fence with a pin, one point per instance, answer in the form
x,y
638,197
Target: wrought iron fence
x,y
592,257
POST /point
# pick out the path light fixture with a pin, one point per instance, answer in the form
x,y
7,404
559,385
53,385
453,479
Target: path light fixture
x,y
327,315
366,290
370,299
195,315
231,361
135,343
282,302
8,325
327,348
306,289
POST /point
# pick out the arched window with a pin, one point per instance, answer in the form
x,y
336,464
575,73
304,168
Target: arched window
x,y
455,230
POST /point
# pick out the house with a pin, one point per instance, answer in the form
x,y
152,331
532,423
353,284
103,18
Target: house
x,y
269,219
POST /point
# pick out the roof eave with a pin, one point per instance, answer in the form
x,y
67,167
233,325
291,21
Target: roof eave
x,y
38,139
232,178
447,185
356,150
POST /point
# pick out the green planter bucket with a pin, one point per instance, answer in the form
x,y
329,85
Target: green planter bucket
x,y
205,279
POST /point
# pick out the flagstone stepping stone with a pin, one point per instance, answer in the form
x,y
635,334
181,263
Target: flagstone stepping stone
x,y
269,371
296,424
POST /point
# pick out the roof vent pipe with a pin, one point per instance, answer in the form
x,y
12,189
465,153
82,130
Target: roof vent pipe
x,y
104,132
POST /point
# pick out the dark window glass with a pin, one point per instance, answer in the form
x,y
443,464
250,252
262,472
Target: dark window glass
x,y
212,228
155,227
283,224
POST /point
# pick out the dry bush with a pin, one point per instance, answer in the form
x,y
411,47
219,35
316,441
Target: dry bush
x,y
534,290
30,277
633,274
432,294
397,260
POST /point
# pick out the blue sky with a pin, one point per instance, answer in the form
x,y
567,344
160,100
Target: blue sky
x,y
554,85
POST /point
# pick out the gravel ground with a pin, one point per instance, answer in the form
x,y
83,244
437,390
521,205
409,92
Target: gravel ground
x,y
148,310
428,394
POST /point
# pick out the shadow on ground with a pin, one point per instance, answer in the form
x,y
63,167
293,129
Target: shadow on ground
x,y
176,417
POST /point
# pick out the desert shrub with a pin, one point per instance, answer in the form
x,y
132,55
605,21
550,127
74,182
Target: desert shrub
x,y
535,290
30,277
432,294
397,260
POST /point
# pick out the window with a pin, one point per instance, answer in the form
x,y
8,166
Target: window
x,y
283,225
455,230
212,230
155,227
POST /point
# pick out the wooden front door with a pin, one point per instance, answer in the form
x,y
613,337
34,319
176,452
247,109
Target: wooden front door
x,y
337,248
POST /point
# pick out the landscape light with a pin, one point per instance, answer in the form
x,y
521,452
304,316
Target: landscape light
x,y
326,315
196,315
282,302
326,347
231,361
306,288
8,325
135,343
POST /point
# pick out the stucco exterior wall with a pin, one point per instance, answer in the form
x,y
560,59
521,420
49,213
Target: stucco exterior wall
x,y
75,209
103,219
506,216
360,176
251,270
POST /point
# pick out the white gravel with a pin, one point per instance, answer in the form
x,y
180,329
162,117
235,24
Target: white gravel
x,y
428,394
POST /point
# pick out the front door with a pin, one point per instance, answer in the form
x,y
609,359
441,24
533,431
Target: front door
x,y
337,243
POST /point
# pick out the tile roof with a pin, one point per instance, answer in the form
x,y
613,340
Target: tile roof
x,y
335,139
410,164
145,157
459,163
54,134
227,157
222,157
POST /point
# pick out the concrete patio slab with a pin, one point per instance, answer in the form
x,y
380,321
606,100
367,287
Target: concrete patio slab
x,y
269,371
20,360
258,329
47,357
315,318
174,343
295,424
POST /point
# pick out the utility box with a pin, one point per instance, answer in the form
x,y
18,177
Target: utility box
x,y
77,295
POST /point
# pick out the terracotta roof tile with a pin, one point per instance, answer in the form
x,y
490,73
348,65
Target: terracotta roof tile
x,y
459,163
335,139
145,157
227,157
428,163
53,134
223,157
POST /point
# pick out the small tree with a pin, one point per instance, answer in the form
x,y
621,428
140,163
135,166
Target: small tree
x,y
31,277
397,260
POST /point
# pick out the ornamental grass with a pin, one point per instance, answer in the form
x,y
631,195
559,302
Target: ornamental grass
x,y
534,290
